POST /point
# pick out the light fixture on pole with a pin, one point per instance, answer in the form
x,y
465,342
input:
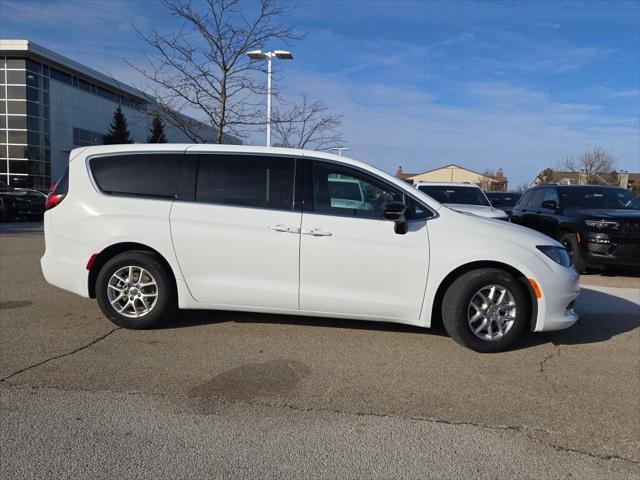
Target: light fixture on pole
x,y
268,56
339,149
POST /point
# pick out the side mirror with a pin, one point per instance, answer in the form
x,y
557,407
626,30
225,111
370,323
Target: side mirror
x,y
550,204
394,211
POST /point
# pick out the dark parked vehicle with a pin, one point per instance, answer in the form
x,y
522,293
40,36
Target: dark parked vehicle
x,y
21,203
504,200
599,225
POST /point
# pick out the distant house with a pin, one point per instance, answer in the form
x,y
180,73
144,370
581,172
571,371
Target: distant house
x,y
628,180
456,173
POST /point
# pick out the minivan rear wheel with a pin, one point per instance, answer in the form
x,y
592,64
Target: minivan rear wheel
x,y
135,290
485,310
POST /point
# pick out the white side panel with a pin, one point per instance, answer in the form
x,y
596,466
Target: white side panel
x,y
230,256
363,268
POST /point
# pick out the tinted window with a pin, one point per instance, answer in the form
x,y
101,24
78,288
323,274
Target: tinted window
x,y
246,181
524,200
550,194
455,194
536,197
343,191
503,199
145,174
598,197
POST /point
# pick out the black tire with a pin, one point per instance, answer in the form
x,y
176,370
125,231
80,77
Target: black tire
x,y
11,214
166,303
456,305
570,241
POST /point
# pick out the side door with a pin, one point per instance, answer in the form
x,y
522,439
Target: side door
x,y
548,218
237,239
351,260
520,209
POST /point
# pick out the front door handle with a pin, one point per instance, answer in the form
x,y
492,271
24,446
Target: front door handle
x,y
317,232
284,228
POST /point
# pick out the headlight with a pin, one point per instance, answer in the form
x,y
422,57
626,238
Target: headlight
x,y
557,254
601,224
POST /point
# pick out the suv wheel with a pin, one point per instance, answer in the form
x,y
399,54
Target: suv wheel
x,y
485,310
570,241
134,290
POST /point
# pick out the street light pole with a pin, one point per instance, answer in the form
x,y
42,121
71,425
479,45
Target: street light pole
x,y
268,56
339,150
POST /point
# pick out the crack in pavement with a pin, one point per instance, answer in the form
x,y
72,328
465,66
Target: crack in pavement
x,y
35,365
524,429
542,363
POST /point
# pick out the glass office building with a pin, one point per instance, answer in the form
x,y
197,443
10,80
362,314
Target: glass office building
x,y
50,104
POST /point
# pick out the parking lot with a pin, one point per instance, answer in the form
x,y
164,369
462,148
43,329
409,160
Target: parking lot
x,y
252,395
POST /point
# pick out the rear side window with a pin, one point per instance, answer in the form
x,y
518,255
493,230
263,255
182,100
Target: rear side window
x,y
154,174
246,181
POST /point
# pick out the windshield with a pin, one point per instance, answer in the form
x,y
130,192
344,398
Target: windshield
x,y
455,194
345,190
504,199
590,197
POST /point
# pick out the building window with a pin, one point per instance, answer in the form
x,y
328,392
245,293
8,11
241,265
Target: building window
x,y
84,138
61,76
23,145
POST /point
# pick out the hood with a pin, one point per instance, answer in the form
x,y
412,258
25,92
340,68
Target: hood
x,y
484,238
478,210
614,214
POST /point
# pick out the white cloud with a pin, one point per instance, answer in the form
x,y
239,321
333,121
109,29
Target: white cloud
x,y
519,129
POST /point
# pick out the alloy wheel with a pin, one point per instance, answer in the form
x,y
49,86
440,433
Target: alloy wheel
x,y
132,291
492,312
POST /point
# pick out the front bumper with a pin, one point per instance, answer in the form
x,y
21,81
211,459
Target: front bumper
x,y
560,287
601,249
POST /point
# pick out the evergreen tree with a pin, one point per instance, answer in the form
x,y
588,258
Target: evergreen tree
x,y
118,132
156,133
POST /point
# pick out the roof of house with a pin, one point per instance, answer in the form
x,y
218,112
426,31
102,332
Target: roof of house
x,y
403,175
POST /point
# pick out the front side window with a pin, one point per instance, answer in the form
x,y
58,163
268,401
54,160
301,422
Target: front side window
x,y
149,174
550,195
524,200
537,197
343,191
246,181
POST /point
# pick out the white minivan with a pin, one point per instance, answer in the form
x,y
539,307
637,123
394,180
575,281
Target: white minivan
x,y
149,229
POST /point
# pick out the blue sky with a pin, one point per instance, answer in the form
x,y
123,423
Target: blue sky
x,y
515,85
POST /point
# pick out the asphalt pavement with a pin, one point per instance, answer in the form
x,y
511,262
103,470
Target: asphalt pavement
x,y
239,395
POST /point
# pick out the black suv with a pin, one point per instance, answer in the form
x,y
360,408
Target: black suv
x,y
505,201
21,203
599,225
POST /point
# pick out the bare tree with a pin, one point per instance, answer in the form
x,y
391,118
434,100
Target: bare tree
x,y
522,187
307,125
203,66
598,166
546,176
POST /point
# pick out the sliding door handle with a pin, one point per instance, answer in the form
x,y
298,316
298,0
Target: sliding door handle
x,y
317,232
284,228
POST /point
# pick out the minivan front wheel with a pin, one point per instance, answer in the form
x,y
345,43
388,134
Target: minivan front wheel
x,y
134,290
485,309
